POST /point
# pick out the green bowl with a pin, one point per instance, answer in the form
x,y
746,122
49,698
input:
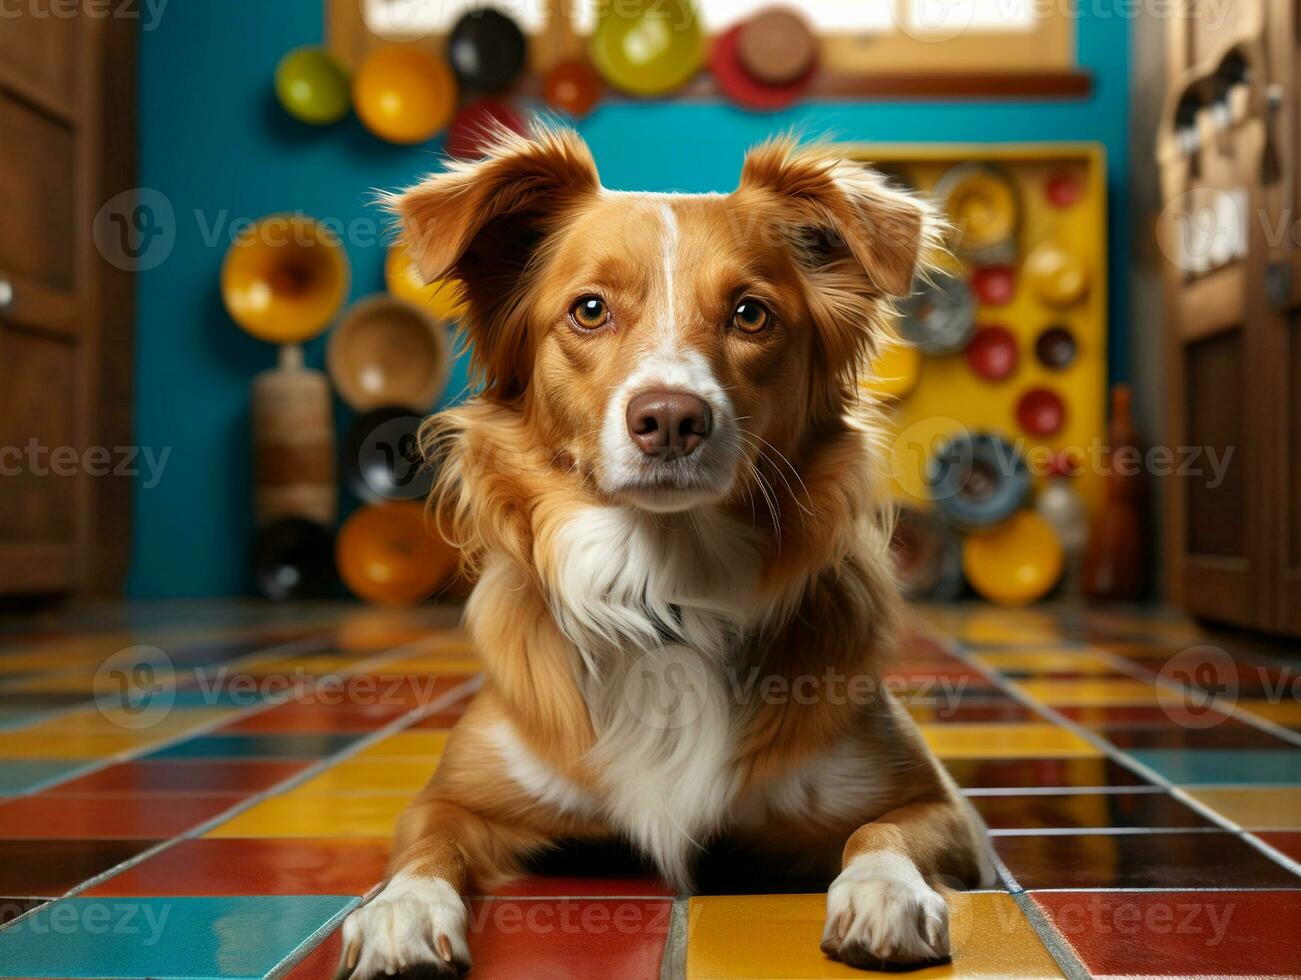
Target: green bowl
x,y
648,47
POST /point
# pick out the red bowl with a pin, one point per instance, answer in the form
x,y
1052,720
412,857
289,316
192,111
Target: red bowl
x,y
992,353
742,87
994,285
1041,412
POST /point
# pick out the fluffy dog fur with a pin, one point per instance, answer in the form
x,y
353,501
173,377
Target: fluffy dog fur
x,y
640,616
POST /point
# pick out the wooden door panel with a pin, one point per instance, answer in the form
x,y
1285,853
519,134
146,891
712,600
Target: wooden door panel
x,y
38,53
37,196
40,446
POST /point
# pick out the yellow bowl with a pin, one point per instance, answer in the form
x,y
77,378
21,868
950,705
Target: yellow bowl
x,y
404,94
1016,562
388,555
1059,276
442,297
284,278
648,47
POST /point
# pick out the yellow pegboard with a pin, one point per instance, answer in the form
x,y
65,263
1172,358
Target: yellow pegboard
x,y
949,395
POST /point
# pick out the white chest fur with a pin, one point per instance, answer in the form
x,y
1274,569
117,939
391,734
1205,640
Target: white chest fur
x,y
658,609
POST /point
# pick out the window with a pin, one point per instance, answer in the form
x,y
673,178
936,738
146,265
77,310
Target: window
x,y
922,47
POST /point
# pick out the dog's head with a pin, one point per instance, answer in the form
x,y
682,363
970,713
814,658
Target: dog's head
x,y
662,344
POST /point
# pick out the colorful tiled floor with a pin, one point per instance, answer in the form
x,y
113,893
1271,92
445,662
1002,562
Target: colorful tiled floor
x,y
221,819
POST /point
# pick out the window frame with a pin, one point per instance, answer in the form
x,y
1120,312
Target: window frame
x,y
853,65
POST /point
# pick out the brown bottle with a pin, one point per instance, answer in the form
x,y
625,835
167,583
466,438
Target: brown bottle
x,y
1115,562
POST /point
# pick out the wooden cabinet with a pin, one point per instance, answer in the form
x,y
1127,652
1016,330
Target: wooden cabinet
x,y
66,98
1228,153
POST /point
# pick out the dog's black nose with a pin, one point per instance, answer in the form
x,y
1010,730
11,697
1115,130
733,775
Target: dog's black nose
x,y
669,423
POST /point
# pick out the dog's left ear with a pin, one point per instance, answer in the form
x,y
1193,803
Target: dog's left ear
x,y
827,203
481,223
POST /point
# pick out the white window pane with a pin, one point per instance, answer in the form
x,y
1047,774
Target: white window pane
x,y
417,18
824,15
718,15
951,17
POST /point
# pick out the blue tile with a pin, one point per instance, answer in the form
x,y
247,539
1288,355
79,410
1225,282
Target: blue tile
x,y
24,775
192,938
256,747
1224,766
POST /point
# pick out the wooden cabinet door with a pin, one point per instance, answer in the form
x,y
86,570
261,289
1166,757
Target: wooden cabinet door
x,y
62,519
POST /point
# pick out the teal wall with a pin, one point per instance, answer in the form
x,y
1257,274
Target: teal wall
x,y
216,145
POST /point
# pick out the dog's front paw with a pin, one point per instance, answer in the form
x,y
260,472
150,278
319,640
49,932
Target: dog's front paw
x,y
414,927
881,914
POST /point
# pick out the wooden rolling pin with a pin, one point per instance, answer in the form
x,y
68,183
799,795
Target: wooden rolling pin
x,y
293,443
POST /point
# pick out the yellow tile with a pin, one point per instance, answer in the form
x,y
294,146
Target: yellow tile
x,y
1047,661
1109,691
1286,713
976,741
1005,627
22,745
91,721
407,745
316,816
373,777
775,937
1256,808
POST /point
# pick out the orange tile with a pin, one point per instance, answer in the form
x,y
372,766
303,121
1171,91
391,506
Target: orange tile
x,y
775,937
1110,691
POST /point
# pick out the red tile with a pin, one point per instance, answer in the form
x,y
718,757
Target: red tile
x,y
206,776
107,817
1178,859
1180,933
511,938
1289,842
317,717
269,866
566,886
322,963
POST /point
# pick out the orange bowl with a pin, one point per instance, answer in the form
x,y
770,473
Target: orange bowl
x,y
404,94
387,554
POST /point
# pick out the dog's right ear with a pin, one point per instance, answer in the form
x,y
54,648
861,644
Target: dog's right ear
x,y
480,223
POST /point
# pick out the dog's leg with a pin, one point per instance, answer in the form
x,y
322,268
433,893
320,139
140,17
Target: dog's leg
x,y
416,925
881,912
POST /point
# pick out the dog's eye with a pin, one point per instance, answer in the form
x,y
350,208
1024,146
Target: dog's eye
x,y
590,313
750,316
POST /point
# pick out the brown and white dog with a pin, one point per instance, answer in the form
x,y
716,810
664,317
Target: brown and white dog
x,y
674,519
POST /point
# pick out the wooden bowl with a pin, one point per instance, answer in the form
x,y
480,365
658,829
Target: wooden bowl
x,y
387,351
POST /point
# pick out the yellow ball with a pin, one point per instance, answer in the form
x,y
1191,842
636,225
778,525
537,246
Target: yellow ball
x,y
442,297
1016,562
404,94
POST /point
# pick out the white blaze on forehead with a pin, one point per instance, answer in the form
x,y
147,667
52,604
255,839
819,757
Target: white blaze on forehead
x,y
668,331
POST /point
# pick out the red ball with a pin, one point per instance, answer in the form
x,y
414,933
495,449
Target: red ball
x,y
476,125
994,285
992,353
573,87
1064,190
1041,412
